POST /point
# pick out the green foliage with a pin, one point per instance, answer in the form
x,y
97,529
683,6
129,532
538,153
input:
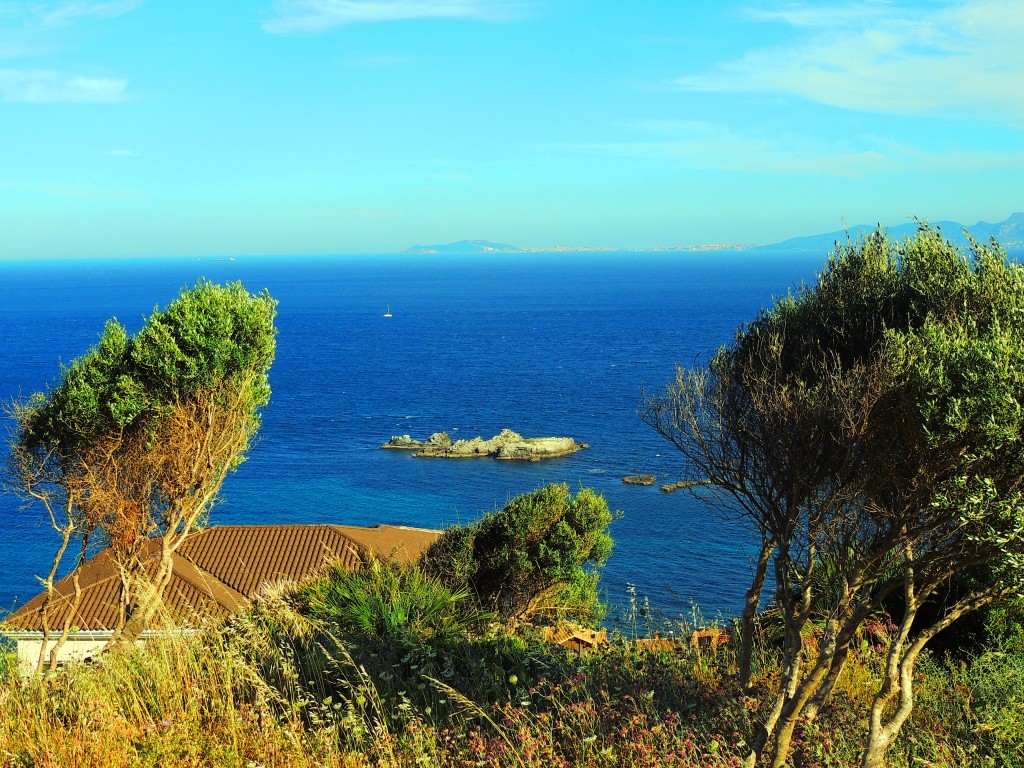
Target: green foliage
x,y
931,342
209,335
1004,624
391,601
8,658
532,556
870,426
212,337
267,685
273,684
996,680
138,436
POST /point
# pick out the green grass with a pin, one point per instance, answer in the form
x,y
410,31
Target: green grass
x,y
295,682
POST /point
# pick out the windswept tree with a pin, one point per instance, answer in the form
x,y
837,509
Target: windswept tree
x,y
872,422
136,439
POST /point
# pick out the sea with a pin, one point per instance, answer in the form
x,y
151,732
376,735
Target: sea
x,y
546,344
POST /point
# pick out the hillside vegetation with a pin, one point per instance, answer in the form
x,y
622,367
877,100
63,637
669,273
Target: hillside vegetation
x,y
447,665
869,428
296,682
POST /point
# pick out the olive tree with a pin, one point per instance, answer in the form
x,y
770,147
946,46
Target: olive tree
x,y
135,440
872,421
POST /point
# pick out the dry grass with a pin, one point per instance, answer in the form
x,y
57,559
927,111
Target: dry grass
x,y
272,688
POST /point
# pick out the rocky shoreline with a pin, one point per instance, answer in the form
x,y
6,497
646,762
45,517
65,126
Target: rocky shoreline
x,y
506,446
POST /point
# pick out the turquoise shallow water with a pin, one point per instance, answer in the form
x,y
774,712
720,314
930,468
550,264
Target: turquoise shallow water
x,y
546,344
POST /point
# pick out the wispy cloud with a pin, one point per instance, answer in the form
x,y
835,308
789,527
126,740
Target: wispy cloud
x,y
711,147
31,30
47,87
946,59
706,146
298,16
64,13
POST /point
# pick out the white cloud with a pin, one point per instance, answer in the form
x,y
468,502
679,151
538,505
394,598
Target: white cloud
x,y
51,15
716,148
48,87
29,31
65,13
945,59
297,16
823,14
699,145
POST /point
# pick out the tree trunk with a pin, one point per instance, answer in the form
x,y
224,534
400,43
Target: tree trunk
x,y
149,598
794,621
69,617
750,612
844,639
44,609
124,601
793,710
897,682
899,678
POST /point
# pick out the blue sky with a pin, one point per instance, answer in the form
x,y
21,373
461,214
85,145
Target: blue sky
x,y
151,127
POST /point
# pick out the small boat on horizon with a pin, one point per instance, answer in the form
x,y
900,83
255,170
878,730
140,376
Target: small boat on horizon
x,y
387,312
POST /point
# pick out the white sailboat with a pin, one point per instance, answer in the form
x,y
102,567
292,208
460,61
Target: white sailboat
x,y
388,312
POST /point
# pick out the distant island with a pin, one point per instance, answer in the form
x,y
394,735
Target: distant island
x,y
1009,233
486,246
465,246
508,446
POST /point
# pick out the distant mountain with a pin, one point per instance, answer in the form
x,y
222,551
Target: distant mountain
x,y
1009,234
465,246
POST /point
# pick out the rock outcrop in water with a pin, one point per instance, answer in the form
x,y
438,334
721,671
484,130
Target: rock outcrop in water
x,y
639,479
508,446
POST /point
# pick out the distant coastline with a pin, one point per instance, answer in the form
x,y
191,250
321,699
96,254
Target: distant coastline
x,y
464,247
1009,233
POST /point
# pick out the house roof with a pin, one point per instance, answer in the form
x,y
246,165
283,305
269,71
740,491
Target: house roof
x,y
576,637
218,570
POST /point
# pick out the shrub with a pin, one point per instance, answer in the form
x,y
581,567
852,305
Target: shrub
x,y
533,557
391,601
996,679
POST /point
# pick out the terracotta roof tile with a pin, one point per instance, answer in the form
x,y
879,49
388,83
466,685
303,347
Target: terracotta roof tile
x,y
245,557
217,570
397,542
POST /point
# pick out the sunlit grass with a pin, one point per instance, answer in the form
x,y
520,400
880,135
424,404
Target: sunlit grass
x,y
274,687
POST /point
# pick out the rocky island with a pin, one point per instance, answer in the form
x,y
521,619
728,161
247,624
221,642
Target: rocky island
x,y
639,479
508,446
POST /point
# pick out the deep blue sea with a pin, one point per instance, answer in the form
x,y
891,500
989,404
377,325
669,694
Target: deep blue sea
x,y
545,344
